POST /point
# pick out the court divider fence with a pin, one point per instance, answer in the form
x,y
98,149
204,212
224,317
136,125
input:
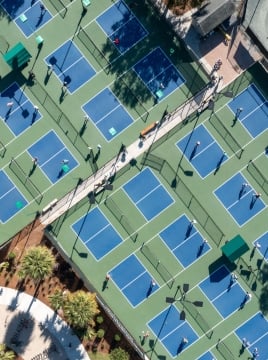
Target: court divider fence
x,y
25,180
94,50
252,276
203,324
186,196
59,6
258,176
226,135
158,265
225,351
122,219
62,120
126,95
3,149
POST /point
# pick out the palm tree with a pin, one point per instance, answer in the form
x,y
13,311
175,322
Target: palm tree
x,y
80,308
56,299
6,354
37,264
119,354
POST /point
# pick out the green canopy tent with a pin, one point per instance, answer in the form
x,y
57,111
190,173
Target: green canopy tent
x,y
17,56
235,248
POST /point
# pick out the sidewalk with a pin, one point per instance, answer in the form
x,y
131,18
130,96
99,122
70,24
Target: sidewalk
x,y
34,331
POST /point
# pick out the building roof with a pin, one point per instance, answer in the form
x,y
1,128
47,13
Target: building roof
x,y
212,14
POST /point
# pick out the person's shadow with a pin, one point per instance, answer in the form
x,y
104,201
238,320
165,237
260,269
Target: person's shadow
x,y
253,201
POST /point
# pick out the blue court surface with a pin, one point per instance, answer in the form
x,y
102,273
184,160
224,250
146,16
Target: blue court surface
x,y
70,66
170,330
226,295
184,241
133,280
202,150
255,331
97,233
148,194
207,356
121,26
54,159
11,200
255,110
108,114
263,242
239,200
159,74
21,114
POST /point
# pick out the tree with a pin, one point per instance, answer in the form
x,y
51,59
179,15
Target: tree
x,y
37,264
119,354
56,299
80,309
6,354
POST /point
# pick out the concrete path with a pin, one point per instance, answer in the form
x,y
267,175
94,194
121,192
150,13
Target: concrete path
x,y
34,331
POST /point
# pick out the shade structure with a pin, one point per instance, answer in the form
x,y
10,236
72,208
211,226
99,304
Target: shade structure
x,y
17,56
235,248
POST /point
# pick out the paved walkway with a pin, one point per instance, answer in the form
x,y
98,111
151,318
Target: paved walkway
x,y
34,331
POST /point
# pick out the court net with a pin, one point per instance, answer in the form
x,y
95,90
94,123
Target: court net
x,y
123,220
94,50
60,118
226,136
122,88
202,323
157,264
59,6
225,351
3,149
186,196
258,176
25,180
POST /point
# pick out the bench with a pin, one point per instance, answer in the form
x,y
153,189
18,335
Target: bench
x,y
49,206
148,129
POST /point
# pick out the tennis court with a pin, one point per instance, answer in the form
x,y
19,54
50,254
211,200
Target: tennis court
x,y
253,110
158,73
17,111
202,151
255,332
170,330
239,198
133,280
143,189
184,241
53,157
108,114
96,233
263,248
225,294
11,199
121,26
27,14
70,66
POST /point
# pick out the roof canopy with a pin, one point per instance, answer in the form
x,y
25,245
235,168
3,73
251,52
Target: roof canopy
x,y
212,14
17,56
235,248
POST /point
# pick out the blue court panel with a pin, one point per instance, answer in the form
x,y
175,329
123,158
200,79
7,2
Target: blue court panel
x,y
11,200
239,202
207,356
184,241
224,297
263,241
255,110
133,280
97,233
170,330
108,114
206,157
118,22
257,338
12,94
17,7
50,152
70,65
35,19
158,73
148,194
